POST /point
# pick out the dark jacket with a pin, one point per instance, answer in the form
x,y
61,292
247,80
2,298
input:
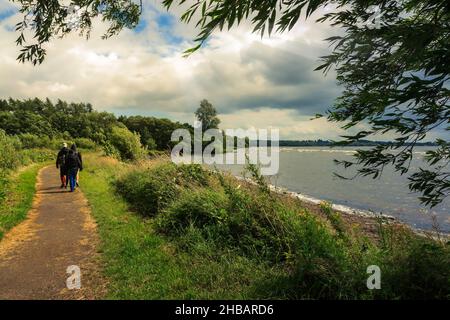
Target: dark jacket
x,y
74,160
61,158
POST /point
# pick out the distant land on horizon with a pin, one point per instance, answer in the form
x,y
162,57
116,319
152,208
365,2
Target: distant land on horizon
x,y
329,143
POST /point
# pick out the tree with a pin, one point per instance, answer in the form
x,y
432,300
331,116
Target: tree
x,y
392,61
127,143
48,19
41,118
207,115
155,133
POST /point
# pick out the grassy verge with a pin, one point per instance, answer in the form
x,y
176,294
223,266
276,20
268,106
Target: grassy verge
x,y
202,235
21,187
142,264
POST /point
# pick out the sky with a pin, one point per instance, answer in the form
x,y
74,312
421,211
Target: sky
x,y
252,82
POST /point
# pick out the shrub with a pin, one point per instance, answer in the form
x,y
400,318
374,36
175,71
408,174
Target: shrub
x,y
99,138
146,191
149,191
12,156
151,144
253,222
3,184
9,152
126,144
111,151
413,267
153,154
198,209
31,141
29,156
85,143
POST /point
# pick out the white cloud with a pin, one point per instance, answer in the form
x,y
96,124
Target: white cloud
x,y
291,125
252,81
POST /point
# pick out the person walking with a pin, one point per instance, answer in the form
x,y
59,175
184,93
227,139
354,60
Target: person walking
x,y
74,164
61,165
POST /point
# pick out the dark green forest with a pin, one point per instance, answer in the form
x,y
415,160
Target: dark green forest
x,y
63,120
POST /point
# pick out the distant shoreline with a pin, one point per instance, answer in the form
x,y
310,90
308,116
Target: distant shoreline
x,y
316,201
328,143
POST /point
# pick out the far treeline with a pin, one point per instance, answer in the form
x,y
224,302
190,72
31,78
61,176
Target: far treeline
x,y
51,122
69,121
329,143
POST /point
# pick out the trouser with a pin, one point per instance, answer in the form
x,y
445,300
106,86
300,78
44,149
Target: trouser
x,y
64,176
73,178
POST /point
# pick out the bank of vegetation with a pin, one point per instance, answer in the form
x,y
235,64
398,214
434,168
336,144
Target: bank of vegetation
x,y
62,120
204,234
18,170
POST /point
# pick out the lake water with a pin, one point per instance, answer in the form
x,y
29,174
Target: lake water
x,y
309,171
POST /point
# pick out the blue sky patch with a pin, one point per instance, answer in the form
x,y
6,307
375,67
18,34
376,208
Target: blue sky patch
x,y
6,14
165,20
166,23
141,26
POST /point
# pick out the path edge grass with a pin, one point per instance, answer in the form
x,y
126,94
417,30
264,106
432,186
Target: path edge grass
x,y
14,209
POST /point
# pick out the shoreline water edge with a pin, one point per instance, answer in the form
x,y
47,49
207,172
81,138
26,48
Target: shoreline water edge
x,y
349,210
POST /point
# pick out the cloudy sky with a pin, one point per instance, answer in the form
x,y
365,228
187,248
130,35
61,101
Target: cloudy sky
x,y
253,82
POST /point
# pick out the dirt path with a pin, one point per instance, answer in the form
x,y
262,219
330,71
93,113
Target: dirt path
x,y
59,232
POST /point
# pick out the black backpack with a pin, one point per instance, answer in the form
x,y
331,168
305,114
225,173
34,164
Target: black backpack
x,y
62,159
72,159
62,156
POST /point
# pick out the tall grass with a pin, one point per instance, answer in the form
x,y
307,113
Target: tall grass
x,y
12,156
141,263
20,191
151,190
314,257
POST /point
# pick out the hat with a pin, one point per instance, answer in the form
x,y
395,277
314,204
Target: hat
x,y
64,145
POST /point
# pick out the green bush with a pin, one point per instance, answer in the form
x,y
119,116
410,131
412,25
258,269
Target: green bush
x,y
12,155
412,267
111,151
150,190
198,209
99,138
4,182
31,141
30,156
151,144
252,222
152,154
9,152
125,143
147,192
85,143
